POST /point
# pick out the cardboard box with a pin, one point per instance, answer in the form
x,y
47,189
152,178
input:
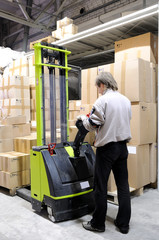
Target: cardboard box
x,y
6,132
32,91
14,161
153,162
89,93
153,82
33,104
117,70
58,34
111,187
138,166
71,123
134,78
64,22
25,144
31,70
73,114
70,29
21,119
86,109
16,179
143,125
16,87
137,80
90,137
144,46
74,105
20,130
153,122
19,67
16,106
6,145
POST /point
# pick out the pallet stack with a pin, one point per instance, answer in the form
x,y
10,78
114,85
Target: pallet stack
x,y
14,123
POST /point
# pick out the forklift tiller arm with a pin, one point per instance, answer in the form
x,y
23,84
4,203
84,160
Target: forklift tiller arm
x,y
82,132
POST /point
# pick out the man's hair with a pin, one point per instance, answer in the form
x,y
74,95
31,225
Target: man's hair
x,y
107,79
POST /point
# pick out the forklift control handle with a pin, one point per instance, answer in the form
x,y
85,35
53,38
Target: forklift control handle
x,y
51,147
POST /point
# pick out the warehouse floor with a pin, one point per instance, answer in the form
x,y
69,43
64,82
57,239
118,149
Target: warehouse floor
x,y
19,222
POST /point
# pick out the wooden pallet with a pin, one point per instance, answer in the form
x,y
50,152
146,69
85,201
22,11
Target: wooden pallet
x,y
12,191
48,39
113,198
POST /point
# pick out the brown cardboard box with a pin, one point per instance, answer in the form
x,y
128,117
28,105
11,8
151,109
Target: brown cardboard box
x,y
70,29
144,46
33,105
137,80
153,122
21,119
25,144
74,105
14,161
32,91
89,92
153,82
19,67
6,131
6,145
73,114
153,162
64,22
138,166
143,125
14,107
16,179
20,130
71,122
90,137
86,109
111,183
31,68
58,33
118,71
16,87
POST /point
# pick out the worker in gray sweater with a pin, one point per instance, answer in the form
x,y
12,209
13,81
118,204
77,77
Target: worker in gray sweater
x,y
110,118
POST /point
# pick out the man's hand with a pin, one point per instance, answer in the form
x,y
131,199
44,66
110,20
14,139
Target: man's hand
x,y
81,117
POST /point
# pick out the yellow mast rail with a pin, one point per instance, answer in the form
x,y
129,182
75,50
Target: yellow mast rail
x,y
49,65
38,45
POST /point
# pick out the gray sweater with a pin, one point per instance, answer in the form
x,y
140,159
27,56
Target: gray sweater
x,y
110,117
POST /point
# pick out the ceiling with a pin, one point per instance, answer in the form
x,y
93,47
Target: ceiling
x,y
23,21
96,45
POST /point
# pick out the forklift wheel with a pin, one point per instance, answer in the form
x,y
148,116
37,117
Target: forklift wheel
x,y
50,214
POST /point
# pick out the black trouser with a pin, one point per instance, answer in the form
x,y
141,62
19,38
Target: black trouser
x,y
112,156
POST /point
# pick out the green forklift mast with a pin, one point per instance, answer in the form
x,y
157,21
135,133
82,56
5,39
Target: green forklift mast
x,y
61,171
52,53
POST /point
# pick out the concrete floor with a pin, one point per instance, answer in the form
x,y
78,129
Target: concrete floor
x,y
19,222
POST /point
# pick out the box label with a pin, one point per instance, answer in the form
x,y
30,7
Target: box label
x,y
132,150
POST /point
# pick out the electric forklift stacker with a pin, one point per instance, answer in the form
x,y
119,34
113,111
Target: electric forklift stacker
x,y
61,171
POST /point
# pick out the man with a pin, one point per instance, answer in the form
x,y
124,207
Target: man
x,y
110,117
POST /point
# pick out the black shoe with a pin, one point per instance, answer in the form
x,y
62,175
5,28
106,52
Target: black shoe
x,y
87,226
123,230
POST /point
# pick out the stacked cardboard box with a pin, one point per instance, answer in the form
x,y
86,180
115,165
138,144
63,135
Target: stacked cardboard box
x,y
19,67
14,169
65,29
11,128
135,71
16,96
14,166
